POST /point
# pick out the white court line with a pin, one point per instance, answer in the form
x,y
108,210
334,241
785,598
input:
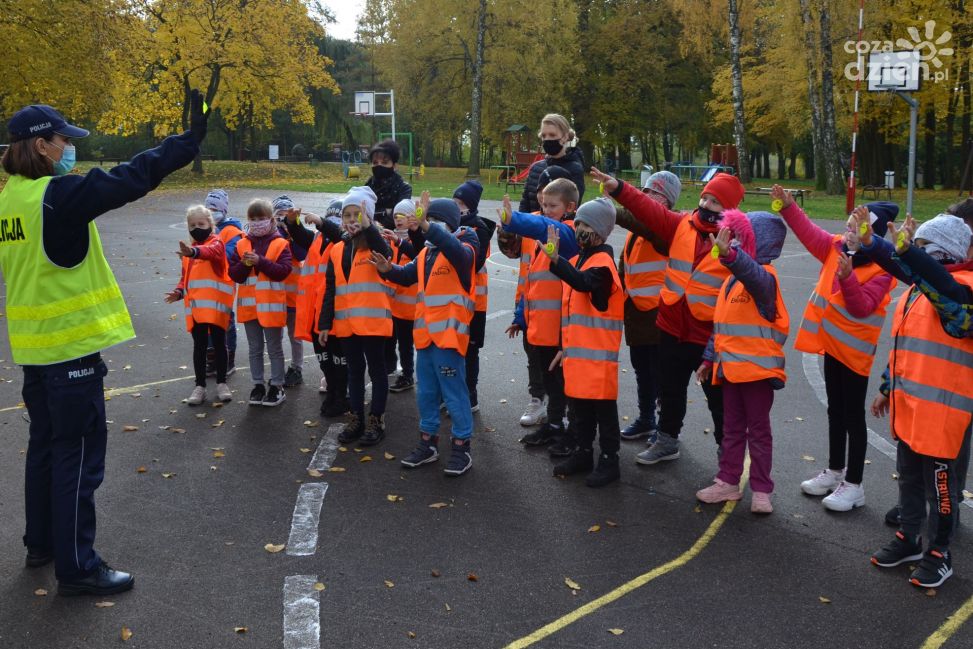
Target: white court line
x,y
302,613
813,375
303,540
497,314
327,449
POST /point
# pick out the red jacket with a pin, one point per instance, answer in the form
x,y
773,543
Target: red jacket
x,y
211,250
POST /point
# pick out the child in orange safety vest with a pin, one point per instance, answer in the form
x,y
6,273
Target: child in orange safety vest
x,y
592,314
746,353
260,264
404,299
207,294
927,388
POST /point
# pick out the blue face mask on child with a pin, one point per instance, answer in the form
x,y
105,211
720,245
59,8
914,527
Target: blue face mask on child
x,y
66,163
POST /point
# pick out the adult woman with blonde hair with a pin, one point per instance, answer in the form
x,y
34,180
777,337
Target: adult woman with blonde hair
x,y
558,139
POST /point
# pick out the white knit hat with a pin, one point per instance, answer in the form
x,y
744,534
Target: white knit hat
x,y
946,234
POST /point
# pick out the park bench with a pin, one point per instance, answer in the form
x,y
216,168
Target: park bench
x,y
876,191
796,193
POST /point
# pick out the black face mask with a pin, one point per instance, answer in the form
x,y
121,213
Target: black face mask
x,y
552,147
382,173
200,234
584,239
709,216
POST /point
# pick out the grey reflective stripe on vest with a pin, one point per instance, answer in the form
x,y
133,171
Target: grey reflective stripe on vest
x,y
362,312
847,339
935,350
749,331
525,257
251,280
680,265
482,289
248,301
873,320
265,307
709,300
933,394
810,326
674,287
322,268
291,288
209,283
646,267
271,286
403,298
645,291
362,287
207,304
595,323
766,362
444,300
449,323
542,276
543,305
586,354
817,300
706,279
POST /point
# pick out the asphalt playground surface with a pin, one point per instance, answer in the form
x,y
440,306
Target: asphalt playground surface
x,y
192,497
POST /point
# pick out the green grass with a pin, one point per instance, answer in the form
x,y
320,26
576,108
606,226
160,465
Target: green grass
x,y
441,181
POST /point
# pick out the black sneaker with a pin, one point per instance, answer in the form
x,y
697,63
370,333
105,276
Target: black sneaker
x,y
37,557
103,581
460,460
353,430
542,436
335,407
563,446
899,550
402,383
637,430
581,461
293,376
605,473
374,431
275,396
892,517
935,568
425,453
257,395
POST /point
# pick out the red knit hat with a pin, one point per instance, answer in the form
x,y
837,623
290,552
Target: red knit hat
x,y
727,189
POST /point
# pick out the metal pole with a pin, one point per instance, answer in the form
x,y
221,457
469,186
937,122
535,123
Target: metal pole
x,y
913,124
392,106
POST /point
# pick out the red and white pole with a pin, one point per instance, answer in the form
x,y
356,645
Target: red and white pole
x,y
850,194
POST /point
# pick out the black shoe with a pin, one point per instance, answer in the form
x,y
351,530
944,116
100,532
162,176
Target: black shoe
x,y
293,376
353,430
103,581
605,473
275,396
581,461
899,550
37,557
402,383
562,447
257,395
335,407
935,568
374,431
460,460
425,453
892,517
637,430
542,436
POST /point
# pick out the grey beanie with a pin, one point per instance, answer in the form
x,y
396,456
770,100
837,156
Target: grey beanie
x,y
666,183
946,234
599,215
769,232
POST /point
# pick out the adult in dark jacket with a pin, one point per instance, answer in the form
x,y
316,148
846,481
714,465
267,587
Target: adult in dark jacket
x,y
388,185
555,134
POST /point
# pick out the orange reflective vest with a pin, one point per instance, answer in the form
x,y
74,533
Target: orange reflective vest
x,y
208,292
828,327
362,300
526,256
543,299
931,378
292,285
444,309
748,347
701,285
482,285
404,297
310,294
260,298
645,272
228,232
591,338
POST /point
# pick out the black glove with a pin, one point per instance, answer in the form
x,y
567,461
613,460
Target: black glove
x,y
197,117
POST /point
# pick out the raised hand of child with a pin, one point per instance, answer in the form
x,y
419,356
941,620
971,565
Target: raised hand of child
x,y
880,406
173,296
778,193
363,218
553,242
722,241
844,265
910,226
606,182
291,215
901,237
513,331
424,201
506,211
558,359
863,224
312,219
185,250
380,263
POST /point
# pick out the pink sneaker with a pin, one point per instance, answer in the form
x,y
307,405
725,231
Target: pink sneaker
x,y
719,492
760,503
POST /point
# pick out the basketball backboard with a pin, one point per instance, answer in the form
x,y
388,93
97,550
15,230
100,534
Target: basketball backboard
x,y
894,71
364,104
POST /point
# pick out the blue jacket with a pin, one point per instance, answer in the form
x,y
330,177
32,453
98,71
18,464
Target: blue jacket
x,y
231,244
458,255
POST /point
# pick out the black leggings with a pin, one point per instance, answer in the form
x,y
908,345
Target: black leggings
x,y
359,352
202,334
847,391
332,362
679,362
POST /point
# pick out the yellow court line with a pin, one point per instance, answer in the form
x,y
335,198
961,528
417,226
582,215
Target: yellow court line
x,y
950,626
639,581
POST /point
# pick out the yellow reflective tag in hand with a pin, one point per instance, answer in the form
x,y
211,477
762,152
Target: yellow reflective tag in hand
x,y
419,213
549,248
601,188
777,205
715,253
901,240
863,229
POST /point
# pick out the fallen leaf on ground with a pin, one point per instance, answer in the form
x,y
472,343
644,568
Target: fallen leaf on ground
x,y
318,586
365,458
219,453
310,424
611,523
967,494
177,430
868,461
127,367
337,469
411,634
141,469
447,607
503,401
168,475
807,458
305,450
104,604
698,509
389,456
572,584
126,633
389,584
799,418
438,505
930,592
616,631
200,415
435,573
129,428
218,424
472,577
136,395
823,599
394,498
239,629
489,429
314,473
625,418
274,549
707,431
895,476
594,528
40,592
343,449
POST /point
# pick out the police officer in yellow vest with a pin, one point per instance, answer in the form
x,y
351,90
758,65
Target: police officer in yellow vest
x,y
63,308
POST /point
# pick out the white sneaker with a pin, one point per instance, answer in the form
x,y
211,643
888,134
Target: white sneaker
x,y
822,483
535,413
845,498
323,387
223,393
198,396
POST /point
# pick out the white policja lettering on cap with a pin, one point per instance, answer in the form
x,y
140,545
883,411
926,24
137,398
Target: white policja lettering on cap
x,y
39,127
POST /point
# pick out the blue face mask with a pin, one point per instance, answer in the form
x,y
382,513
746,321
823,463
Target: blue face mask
x,y
66,163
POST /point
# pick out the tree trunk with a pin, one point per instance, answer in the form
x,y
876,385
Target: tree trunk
x,y
929,163
781,166
476,113
834,178
667,145
766,173
739,121
814,99
792,164
581,101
